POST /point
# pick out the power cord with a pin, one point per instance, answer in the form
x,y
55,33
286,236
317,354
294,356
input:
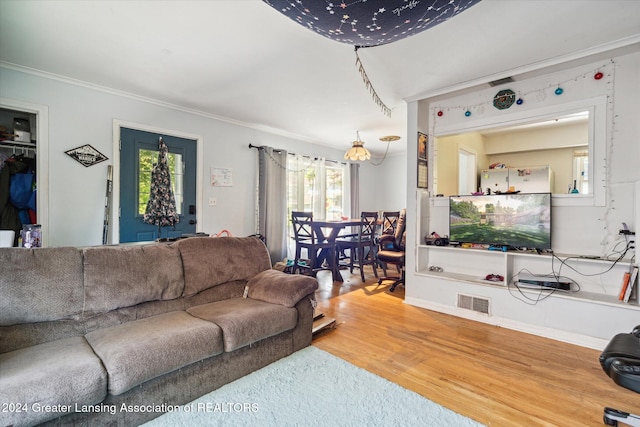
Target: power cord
x,y
543,293
622,254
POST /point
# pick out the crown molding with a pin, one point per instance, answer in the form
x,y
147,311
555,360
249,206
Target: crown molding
x,y
570,58
153,101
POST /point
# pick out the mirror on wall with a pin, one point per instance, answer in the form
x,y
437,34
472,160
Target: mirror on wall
x,y
546,155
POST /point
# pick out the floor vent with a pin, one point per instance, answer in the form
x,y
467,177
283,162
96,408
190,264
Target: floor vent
x,y
468,302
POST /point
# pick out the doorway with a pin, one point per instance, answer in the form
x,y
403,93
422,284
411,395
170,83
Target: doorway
x,y
39,115
138,147
468,172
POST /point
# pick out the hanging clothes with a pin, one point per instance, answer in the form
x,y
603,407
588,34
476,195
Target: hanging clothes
x,y
161,207
10,214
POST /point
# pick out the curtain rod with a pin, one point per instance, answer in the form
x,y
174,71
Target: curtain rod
x,y
260,147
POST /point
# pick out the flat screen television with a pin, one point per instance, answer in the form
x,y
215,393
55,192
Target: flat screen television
x,y
518,220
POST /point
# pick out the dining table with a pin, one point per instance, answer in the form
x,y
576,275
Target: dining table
x,y
329,231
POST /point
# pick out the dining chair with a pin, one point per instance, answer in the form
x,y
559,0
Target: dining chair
x,y
389,222
388,226
392,251
306,237
362,246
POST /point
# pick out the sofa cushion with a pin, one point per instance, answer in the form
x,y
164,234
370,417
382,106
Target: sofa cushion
x,y
212,261
61,374
122,276
277,287
40,284
138,351
245,320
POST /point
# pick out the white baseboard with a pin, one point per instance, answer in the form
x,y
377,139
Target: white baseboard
x,y
554,334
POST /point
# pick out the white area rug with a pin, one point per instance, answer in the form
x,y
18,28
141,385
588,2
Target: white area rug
x,y
312,388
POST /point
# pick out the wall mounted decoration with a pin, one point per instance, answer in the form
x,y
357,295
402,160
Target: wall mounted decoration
x,y
423,174
221,177
504,99
603,74
86,155
423,152
422,146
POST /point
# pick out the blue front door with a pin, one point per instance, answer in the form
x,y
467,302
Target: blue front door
x,y
138,153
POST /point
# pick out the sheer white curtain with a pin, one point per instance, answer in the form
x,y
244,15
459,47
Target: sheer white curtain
x,y
272,200
311,187
320,189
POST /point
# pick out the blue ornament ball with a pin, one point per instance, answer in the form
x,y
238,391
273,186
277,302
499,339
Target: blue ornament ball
x,y
519,101
559,91
467,113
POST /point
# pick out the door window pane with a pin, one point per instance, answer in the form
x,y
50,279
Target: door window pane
x,y
146,160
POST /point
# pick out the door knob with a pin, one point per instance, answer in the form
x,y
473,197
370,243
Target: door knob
x,y
192,221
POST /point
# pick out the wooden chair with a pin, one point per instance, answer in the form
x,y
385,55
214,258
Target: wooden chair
x,y
306,238
389,222
362,247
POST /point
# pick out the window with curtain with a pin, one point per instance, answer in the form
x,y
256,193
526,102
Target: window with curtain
x,y
318,185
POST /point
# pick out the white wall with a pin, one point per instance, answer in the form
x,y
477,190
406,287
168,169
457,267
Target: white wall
x,y
383,187
80,114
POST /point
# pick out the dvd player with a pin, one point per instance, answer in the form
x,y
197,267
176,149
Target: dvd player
x,y
542,282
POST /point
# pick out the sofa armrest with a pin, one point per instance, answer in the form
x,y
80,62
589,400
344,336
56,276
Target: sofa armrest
x,y
281,288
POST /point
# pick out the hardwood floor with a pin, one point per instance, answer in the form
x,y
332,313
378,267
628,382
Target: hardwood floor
x,y
493,375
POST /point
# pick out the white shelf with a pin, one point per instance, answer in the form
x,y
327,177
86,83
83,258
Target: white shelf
x,y
460,277
598,278
11,143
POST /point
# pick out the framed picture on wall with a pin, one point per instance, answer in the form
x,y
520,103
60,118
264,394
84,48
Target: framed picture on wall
x,y
422,146
423,177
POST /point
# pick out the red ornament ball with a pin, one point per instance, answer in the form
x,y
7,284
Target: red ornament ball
x,y
440,113
598,75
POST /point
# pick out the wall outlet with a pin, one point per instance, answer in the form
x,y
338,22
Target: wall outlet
x,y
213,201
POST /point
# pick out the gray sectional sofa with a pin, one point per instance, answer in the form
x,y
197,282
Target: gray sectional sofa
x,y
117,334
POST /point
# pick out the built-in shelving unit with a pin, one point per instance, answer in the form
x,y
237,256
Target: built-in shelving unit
x,y
595,280
8,145
584,224
17,147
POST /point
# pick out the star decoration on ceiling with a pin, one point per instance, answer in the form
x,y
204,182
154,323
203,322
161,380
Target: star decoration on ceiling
x,y
373,22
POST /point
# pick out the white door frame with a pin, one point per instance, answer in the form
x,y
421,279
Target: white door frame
x,y
42,158
469,172
114,225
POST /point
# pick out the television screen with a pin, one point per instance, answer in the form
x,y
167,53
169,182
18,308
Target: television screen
x,y
519,220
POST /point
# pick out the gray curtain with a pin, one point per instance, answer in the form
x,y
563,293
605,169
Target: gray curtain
x,y
272,200
354,172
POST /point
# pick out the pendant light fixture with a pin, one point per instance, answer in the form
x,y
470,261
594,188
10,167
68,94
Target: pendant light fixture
x,y
357,150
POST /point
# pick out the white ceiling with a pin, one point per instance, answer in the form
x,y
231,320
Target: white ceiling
x,y
243,61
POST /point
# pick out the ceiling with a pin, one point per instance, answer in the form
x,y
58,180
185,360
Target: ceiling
x,y
243,61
